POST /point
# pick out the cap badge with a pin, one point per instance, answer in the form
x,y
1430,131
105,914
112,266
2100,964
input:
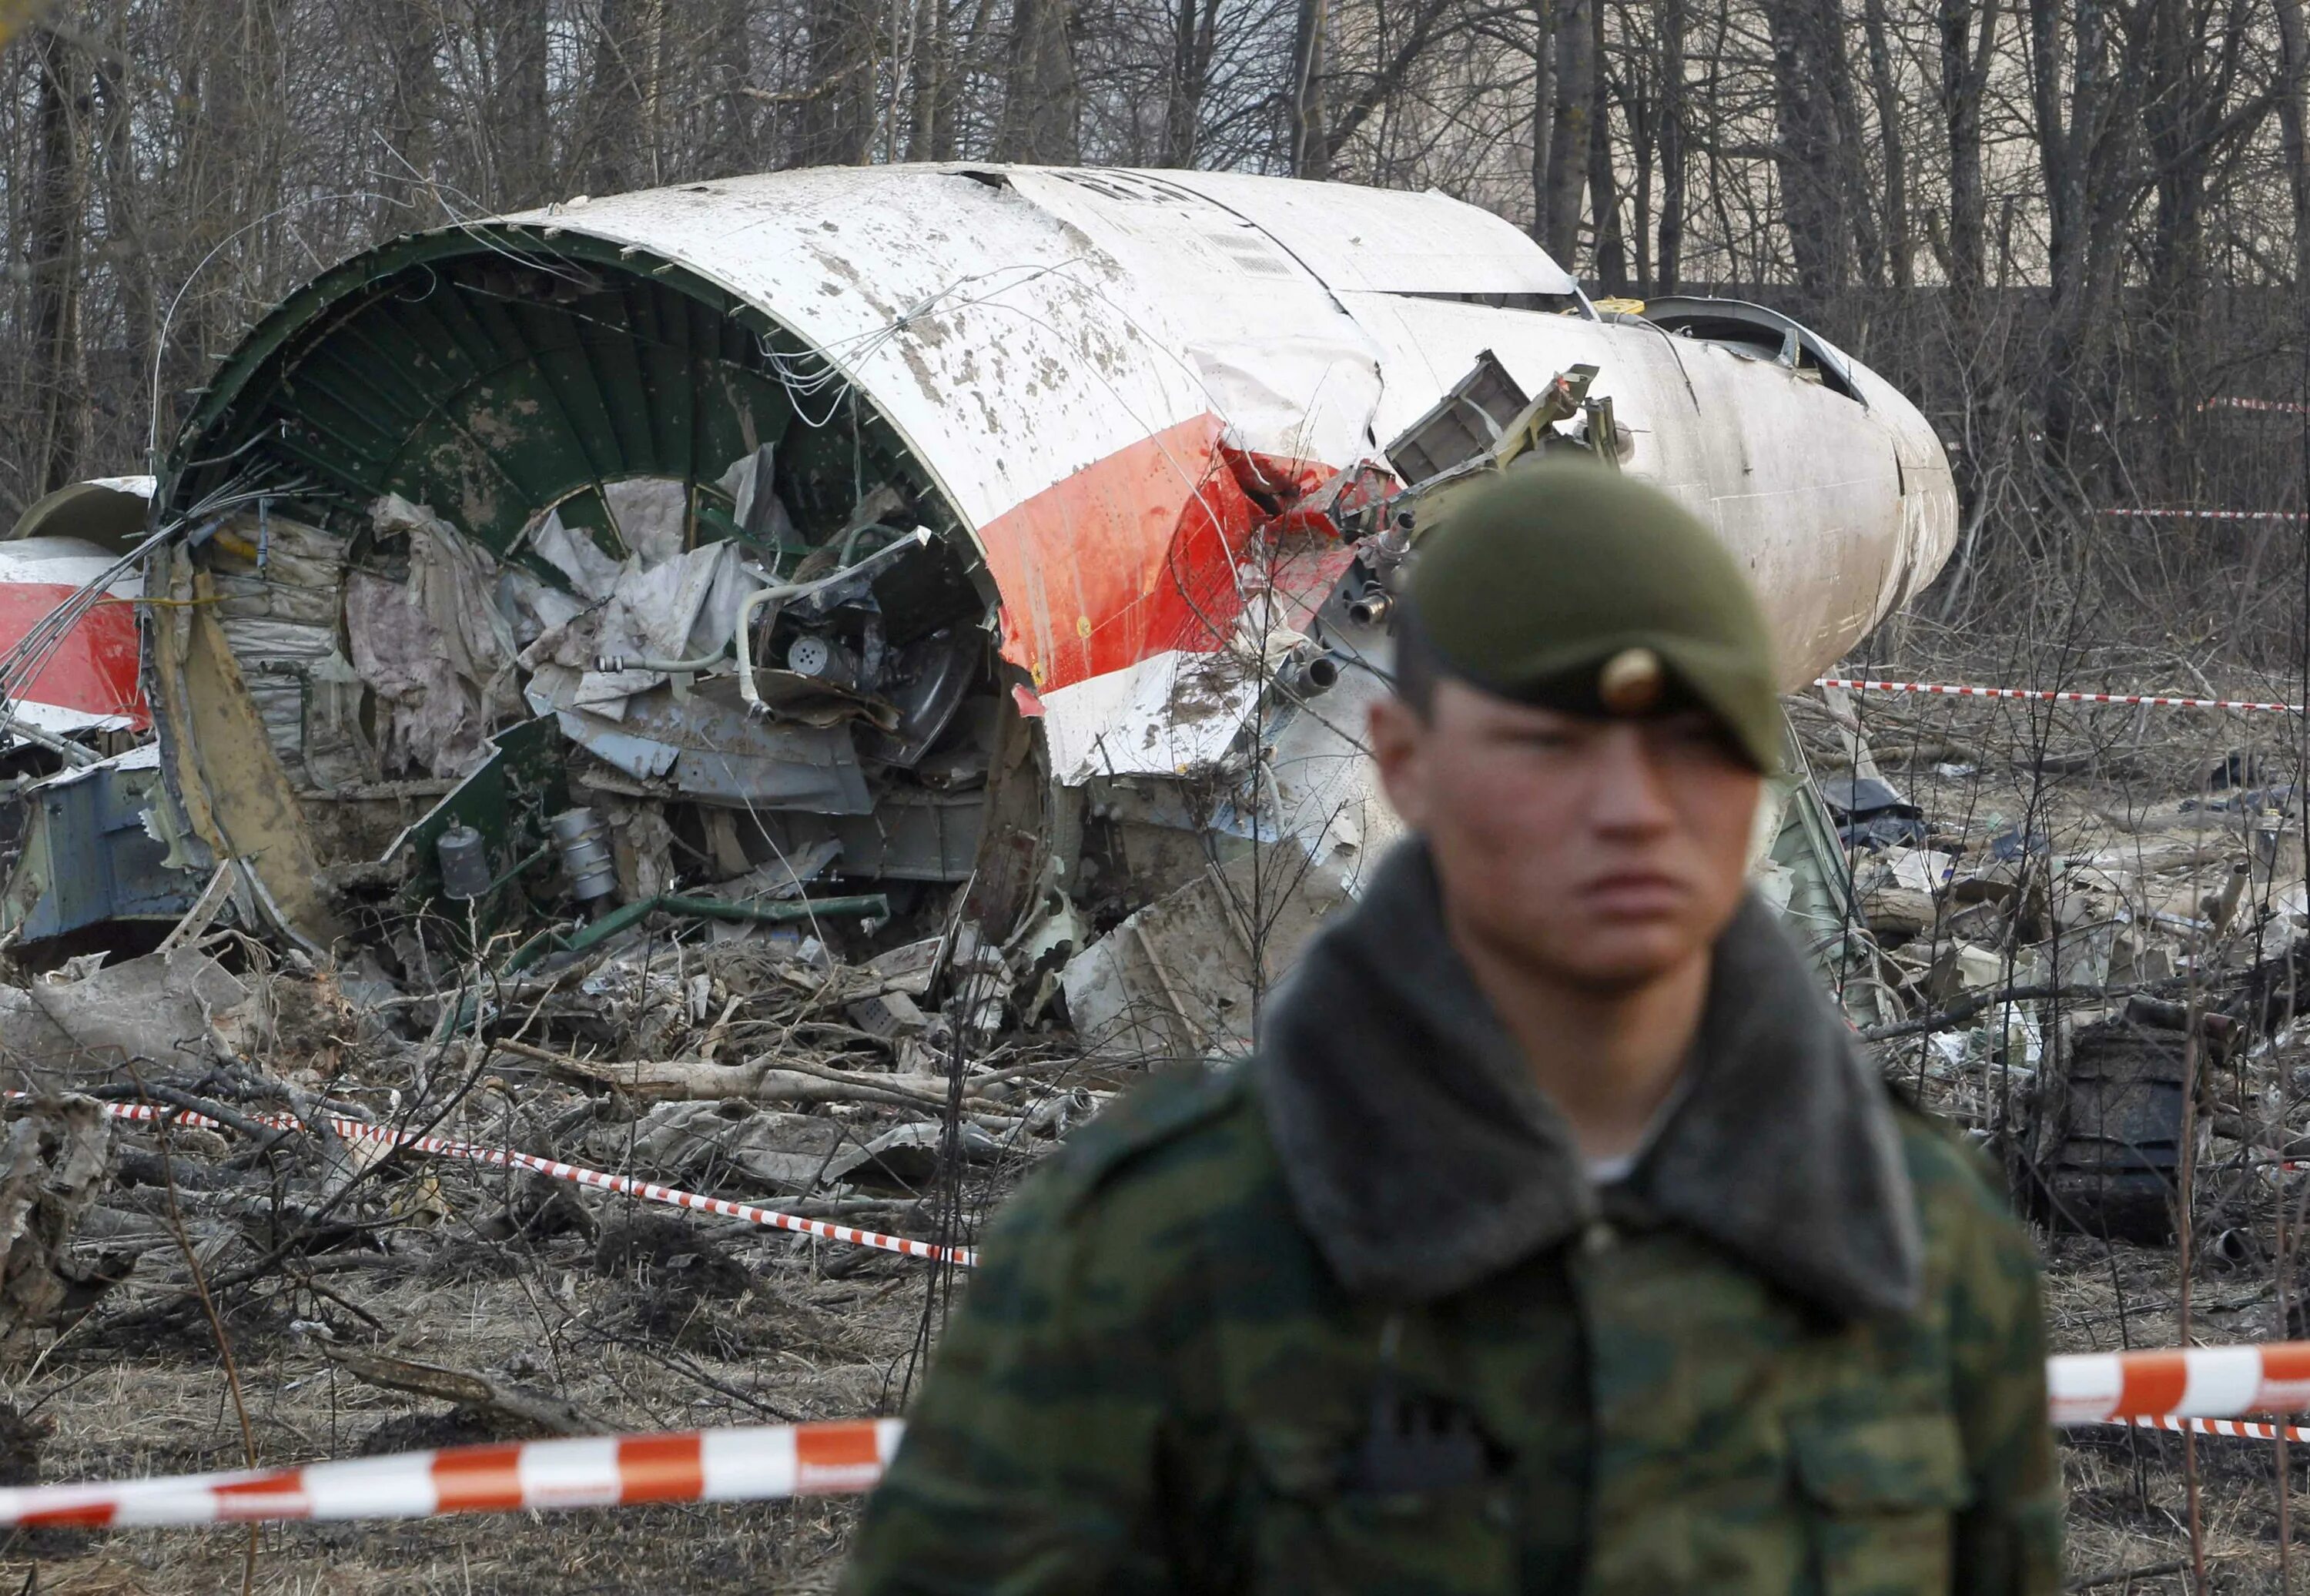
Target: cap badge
x,y
1631,680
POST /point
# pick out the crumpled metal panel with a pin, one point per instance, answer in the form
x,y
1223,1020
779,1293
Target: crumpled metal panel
x,y
1839,510
86,854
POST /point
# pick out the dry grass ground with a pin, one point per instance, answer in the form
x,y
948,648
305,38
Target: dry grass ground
x,y
769,1337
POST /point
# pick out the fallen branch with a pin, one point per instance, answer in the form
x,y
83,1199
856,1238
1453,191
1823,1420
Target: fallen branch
x,y
1973,1003
758,1079
507,1403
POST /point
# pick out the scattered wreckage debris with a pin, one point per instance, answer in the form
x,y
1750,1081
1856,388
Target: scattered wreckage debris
x,y
722,689
2106,986
53,1162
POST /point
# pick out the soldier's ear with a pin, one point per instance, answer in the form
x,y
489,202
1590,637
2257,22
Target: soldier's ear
x,y
1399,739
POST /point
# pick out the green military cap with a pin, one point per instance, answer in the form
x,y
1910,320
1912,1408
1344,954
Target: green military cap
x,y
1572,587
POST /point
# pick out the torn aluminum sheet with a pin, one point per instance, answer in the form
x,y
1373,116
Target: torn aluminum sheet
x,y
1182,979
160,1009
703,1142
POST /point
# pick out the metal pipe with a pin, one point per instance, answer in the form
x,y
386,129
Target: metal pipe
x,y
917,539
1307,675
866,905
70,752
614,663
1370,607
872,905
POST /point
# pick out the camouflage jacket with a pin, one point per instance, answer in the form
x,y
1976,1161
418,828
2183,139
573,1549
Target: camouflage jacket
x,y
1353,1319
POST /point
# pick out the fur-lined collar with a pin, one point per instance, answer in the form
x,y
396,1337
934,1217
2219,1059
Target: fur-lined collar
x,y
1422,1157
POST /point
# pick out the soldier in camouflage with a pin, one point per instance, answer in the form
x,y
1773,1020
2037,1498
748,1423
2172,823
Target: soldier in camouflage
x,y
1558,1238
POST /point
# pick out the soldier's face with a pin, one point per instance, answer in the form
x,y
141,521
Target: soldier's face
x,y
1602,853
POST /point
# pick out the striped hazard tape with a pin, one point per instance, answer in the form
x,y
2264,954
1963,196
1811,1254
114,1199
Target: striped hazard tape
x,y
2207,514
2279,406
761,1463
2194,1389
2224,1427
443,1147
2197,1388
2178,1383
2045,695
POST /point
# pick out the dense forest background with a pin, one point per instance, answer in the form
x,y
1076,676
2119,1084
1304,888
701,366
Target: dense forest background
x,y
2077,231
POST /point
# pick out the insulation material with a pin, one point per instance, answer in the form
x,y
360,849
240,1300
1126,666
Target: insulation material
x,y
653,515
751,483
280,584
453,581
584,563
306,692
437,648
682,608
531,607
435,723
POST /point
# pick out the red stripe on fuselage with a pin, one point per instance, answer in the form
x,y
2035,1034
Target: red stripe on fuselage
x,y
1130,557
93,669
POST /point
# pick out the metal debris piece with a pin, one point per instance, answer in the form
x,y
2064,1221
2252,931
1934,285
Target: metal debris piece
x,y
54,1158
1181,980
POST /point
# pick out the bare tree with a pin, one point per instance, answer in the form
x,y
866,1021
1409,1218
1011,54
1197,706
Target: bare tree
x,y
54,377
1565,182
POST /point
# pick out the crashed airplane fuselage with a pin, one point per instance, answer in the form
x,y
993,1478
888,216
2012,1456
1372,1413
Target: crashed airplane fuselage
x,y
936,524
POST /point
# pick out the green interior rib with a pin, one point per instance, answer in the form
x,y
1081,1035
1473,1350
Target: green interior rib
x,y
491,375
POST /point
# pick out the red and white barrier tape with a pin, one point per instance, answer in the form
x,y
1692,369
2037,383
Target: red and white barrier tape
x,y
2178,1383
756,1464
2195,1388
443,1147
2208,515
2224,1427
2280,406
2043,694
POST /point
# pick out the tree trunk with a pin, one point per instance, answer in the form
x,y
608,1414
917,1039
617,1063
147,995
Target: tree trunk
x,y
1310,152
127,241
56,376
837,118
1603,183
1566,182
612,122
1040,109
412,46
2293,116
1544,110
1808,55
1900,247
1969,35
518,132
927,90
2081,224
1673,100
730,149
1640,100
